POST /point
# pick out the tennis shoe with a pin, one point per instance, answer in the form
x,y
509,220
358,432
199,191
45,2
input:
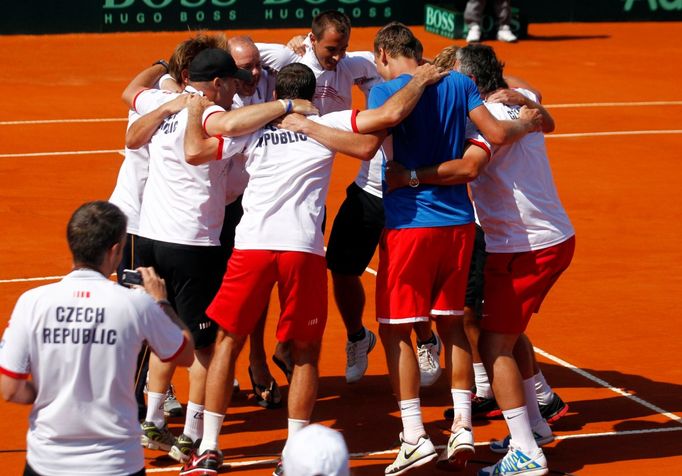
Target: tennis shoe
x,y
542,434
356,356
412,456
554,410
428,356
182,448
156,438
171,406
516,462
474,33
505,34
206,464
458,451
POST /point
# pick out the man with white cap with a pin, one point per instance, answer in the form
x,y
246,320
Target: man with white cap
x,y
316,451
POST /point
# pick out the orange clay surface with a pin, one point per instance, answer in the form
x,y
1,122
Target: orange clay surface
x,y
615,313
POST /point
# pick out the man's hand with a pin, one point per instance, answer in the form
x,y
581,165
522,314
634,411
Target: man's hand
x,y
293,122
153,284
302,106
531,118
509,97
296,45
428,74
396,176
196,103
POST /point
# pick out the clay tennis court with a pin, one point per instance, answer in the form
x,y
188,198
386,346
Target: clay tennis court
x,y
608,335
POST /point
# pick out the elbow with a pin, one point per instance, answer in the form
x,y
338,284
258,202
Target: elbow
x,y
471,173
193,158
548,126
497,137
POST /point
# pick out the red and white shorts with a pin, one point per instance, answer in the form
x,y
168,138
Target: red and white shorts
x,y
515,284
423,273
251,274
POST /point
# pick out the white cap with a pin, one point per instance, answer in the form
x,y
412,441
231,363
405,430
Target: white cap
x,y
316,451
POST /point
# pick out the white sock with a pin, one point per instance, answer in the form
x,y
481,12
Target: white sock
x,y
213,422
194,421
411,415
543,391
461,402
293,426
534,417
483,388
155,408
519,429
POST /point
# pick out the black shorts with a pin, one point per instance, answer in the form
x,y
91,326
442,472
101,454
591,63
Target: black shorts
x,y
28,471
233,215
193,275
474,294
356,232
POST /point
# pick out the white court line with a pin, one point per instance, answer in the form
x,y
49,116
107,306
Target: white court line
x,y
369,454
61,121
28,280
557,106
74,152
607,385
613,133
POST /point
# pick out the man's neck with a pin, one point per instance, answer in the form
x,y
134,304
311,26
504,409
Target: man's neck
x,y
89,267
402,65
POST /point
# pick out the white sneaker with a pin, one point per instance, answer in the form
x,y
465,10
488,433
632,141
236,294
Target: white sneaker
x,y
516,462
542,434
356,356
505,34
429,362
171,406
474,33
459,450
412,455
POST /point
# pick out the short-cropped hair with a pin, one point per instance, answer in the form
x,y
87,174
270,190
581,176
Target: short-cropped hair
x,y
398,40
295,81
330,19
186,51
480,62
93,229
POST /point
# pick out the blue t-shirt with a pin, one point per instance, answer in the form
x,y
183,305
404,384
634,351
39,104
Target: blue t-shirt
x,y
433,133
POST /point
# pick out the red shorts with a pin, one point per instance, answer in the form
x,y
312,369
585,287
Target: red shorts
x,y
423,273
515,284
251,274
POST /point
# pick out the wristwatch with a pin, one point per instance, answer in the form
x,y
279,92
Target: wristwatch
x,y
414,180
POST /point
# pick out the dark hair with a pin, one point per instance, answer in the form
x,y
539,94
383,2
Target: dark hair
x,y
330,19
295,81
398,40
186,51
480,62
92,230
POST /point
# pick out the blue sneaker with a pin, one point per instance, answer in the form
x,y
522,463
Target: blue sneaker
x,y
516,462
541,432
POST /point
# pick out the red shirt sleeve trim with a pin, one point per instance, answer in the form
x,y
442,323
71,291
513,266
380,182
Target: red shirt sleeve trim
x,y
221,141
353,120
204,124
480,144
182,346
14,375
135,98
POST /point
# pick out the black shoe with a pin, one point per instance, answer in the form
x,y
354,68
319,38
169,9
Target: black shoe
x,y
481,408
554,409
206,464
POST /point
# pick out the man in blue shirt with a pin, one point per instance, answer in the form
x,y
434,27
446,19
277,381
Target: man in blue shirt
x,y
426,247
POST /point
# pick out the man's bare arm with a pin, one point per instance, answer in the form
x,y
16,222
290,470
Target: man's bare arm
x,y
199,148
144,80
401,104
250,118
17,390
505,132
362,146
452,172
509,96
141,131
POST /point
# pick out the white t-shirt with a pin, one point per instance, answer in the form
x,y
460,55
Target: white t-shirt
x,y
334,92
183,203
515,196
289,180
79,339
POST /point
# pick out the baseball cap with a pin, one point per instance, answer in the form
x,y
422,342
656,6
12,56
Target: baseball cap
x,y
316,451
215,63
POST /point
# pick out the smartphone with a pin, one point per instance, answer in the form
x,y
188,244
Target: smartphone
x,y
131,277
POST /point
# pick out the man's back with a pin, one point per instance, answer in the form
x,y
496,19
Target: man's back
x,y
79,339
434,132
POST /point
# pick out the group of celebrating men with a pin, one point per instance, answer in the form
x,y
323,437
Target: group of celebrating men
x,y
228,162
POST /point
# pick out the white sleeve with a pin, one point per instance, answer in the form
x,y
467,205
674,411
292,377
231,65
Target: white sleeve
x,y
342,120
162,334
149,99
15,344
276,56
528,93
363,69
474,136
